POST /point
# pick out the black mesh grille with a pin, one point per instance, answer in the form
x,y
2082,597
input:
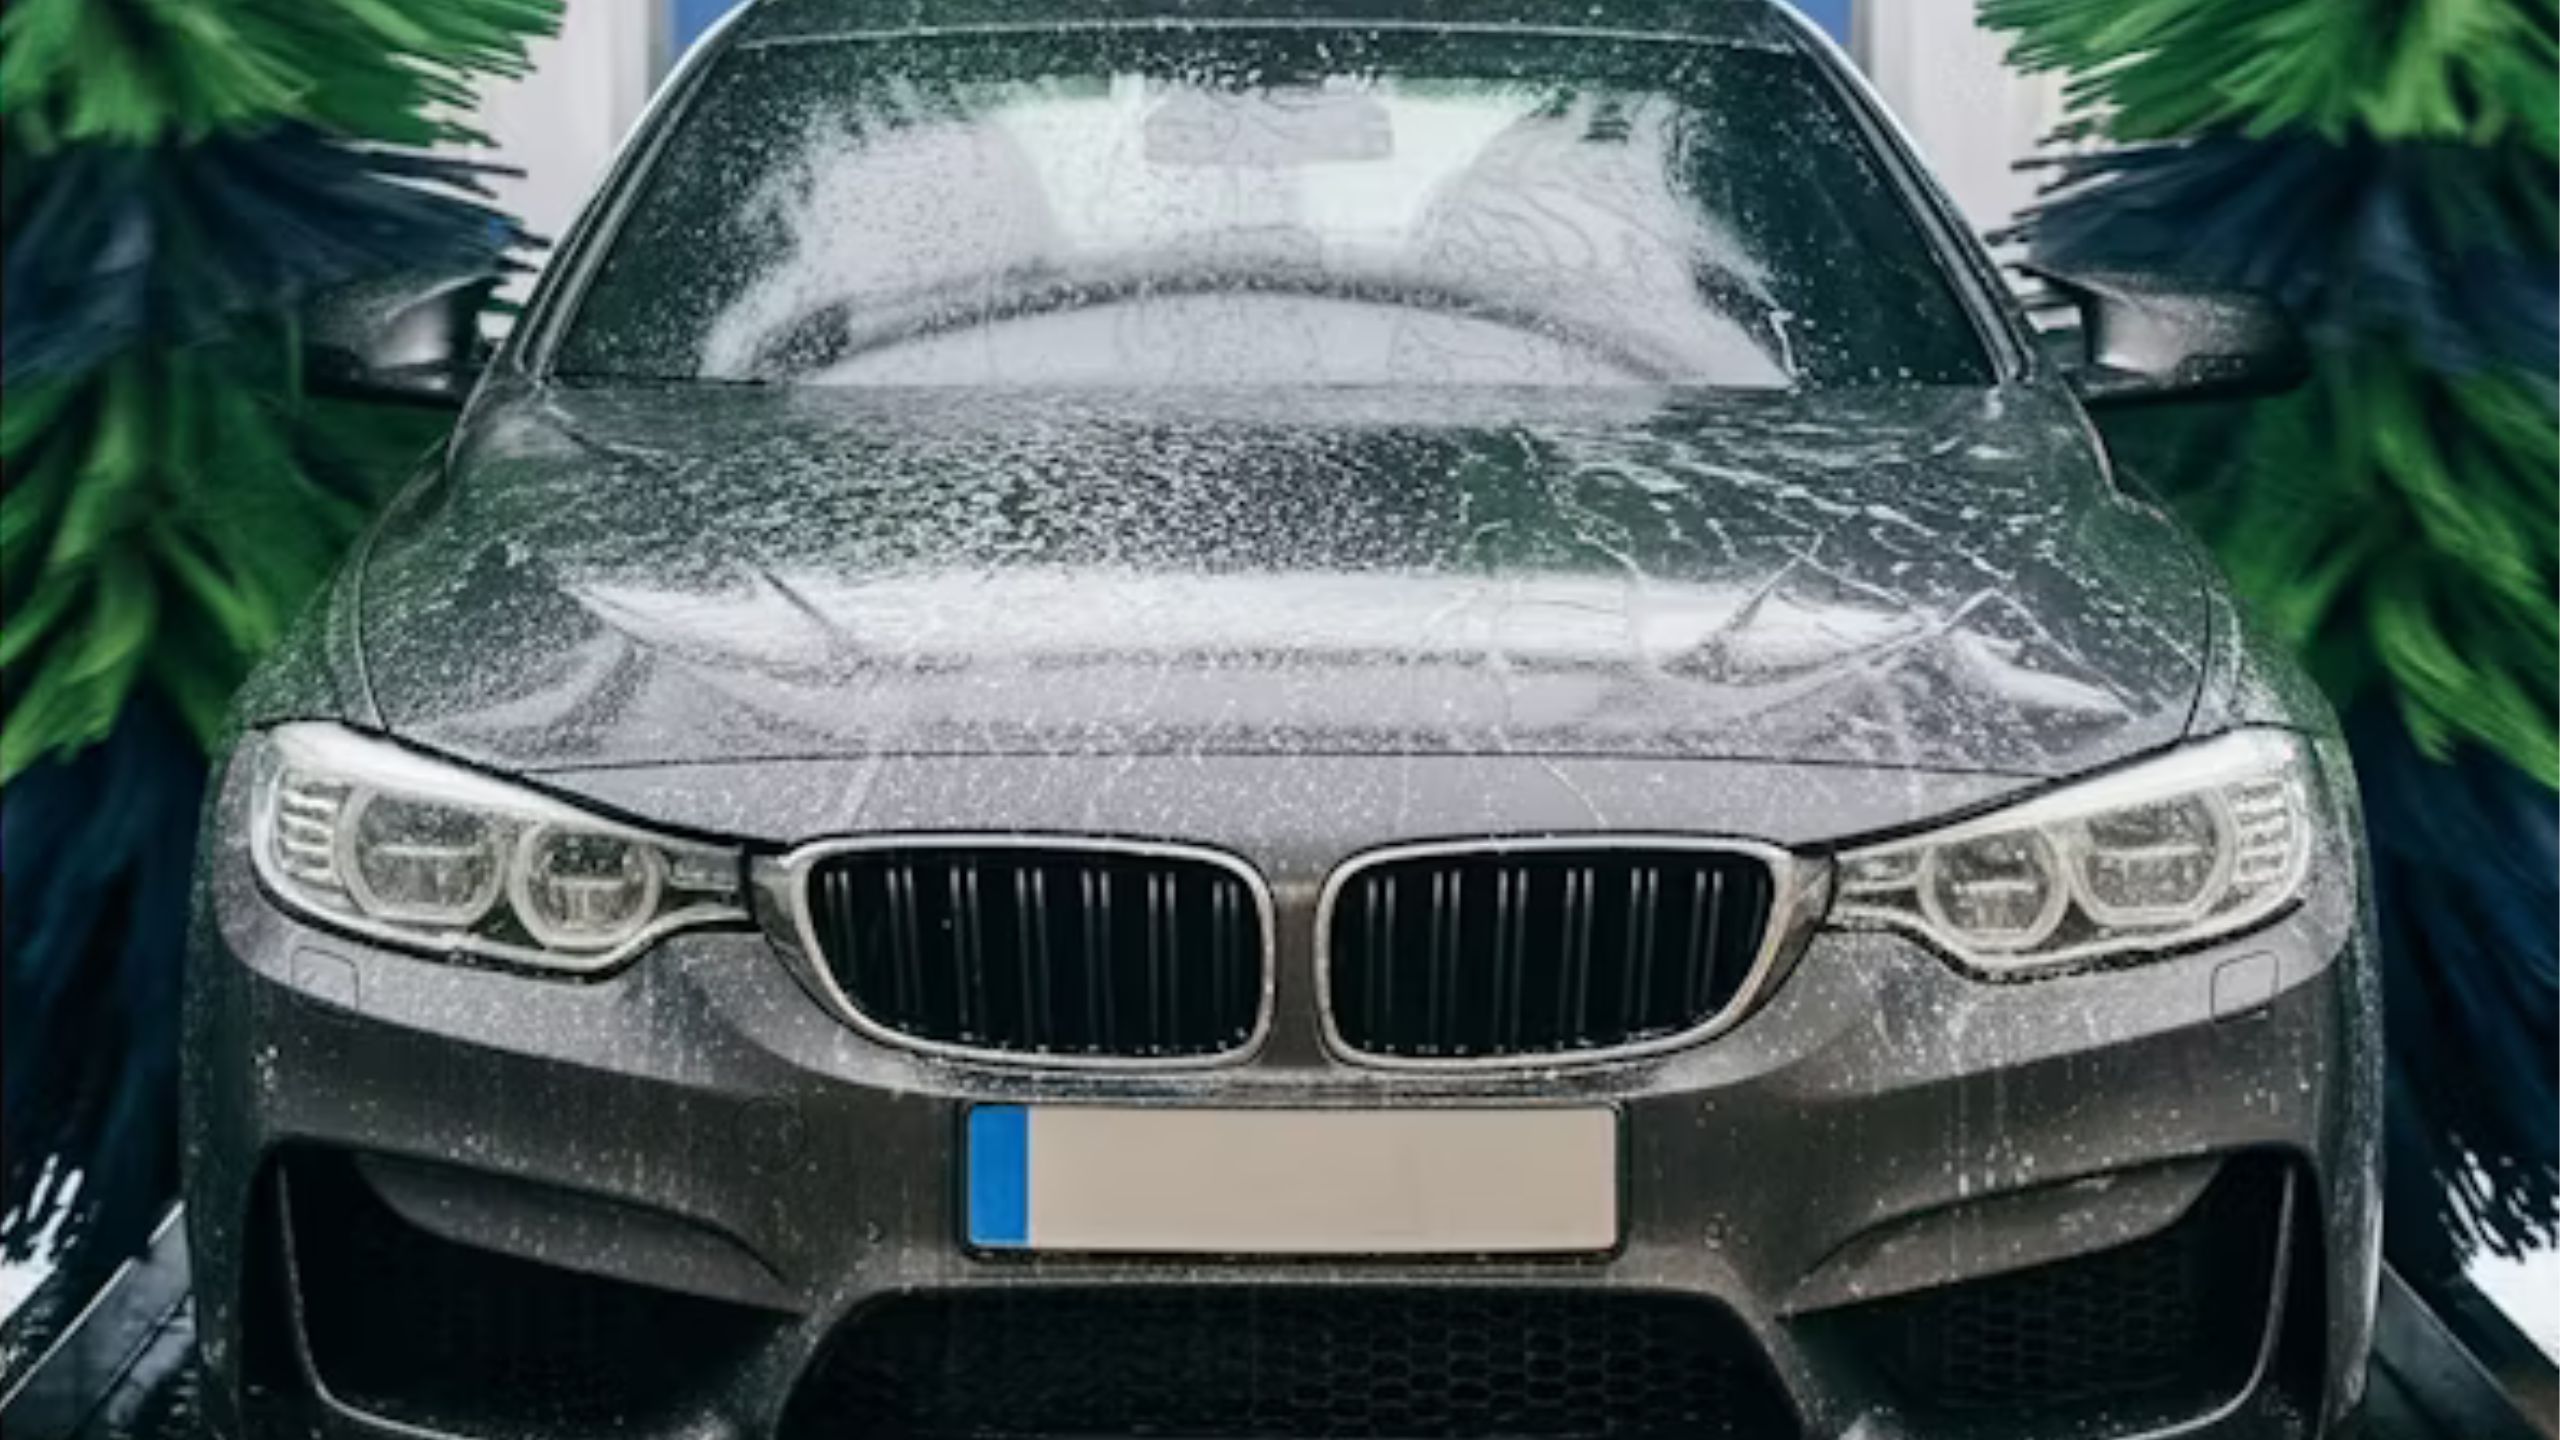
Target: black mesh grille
x,y
411,1327
1210,1363
1542,952
2162,1329
1044,951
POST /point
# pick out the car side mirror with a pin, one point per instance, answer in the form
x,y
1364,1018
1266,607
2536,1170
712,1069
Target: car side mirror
x,y
2146,340
409,340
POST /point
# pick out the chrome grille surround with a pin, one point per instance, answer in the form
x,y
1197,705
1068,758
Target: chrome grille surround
x,y
1800,893
784,888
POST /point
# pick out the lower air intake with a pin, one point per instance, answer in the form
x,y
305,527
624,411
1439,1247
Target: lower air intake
x,y
415,1329
2137,1337
1212,1363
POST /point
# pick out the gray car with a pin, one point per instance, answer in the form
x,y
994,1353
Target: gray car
x,y
1365,718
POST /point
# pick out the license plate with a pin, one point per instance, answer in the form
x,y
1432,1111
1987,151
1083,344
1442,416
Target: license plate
x,y
1101,1180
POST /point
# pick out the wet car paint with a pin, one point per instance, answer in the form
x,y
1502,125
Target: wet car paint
x,y
1940,580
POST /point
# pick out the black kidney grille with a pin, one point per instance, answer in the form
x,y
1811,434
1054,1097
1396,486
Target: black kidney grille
x,y
1505,953
1057,952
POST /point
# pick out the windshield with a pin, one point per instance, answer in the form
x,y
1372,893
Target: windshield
x,y
1152,207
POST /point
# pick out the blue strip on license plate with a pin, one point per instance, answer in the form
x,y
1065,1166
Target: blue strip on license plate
x,y
999,1176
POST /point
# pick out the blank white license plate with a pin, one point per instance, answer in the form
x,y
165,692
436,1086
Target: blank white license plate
x,y
1292,1182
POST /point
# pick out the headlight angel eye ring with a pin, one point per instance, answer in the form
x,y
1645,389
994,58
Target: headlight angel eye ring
x,y
420,863
576,890
2104,865
2016,877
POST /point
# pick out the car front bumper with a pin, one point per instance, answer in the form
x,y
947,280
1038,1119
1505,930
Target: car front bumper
x,y
499,1165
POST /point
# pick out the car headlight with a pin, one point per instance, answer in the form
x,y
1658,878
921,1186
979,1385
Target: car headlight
x,y
381,840
2196,845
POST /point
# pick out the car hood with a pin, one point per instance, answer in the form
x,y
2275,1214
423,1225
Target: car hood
x,y
1939,579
